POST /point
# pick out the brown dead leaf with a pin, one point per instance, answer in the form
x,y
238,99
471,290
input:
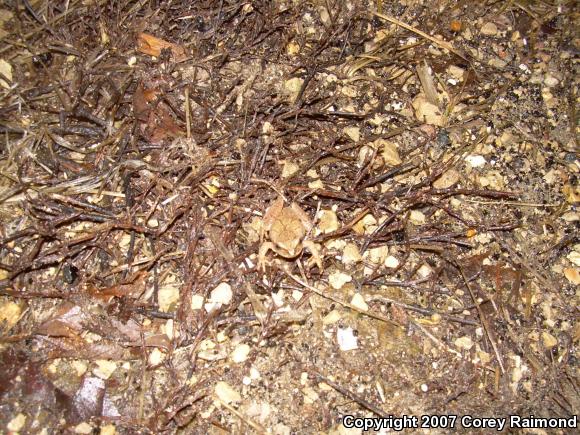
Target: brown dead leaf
x,y
158,340
67,322
131,290
157,123
151,45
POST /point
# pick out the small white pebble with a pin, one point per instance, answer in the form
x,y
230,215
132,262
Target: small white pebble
x,y
240,353
226,393
424,388
297,295
222,294
346,339
17,423
475,160
359,302
83,428
391,262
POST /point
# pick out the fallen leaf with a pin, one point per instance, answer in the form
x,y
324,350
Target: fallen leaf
x,y
151,45
5,71
10,313
67,322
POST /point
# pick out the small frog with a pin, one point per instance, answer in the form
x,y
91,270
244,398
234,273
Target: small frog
x,y
288,228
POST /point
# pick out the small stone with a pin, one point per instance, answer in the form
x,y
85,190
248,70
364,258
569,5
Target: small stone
x,y
222,294
571,193
574,257
377,255
108,429
289,169
79,366
456,72
366,225
156,357
83,428
267,128
497,63
331,318
571,216
465,343
416,217
349,91
293,87
390,153
572,275
427,112
475,161
105,368
549,340
447,179
226,393
551,81
365,154
168,295
359,302
391,262
17,423
240,353
346,339
338,279
351,254
278,298
489,29
293,48
10,313
310,396
491,179
197,302
353,133
328,221
424,271
6,71
484,357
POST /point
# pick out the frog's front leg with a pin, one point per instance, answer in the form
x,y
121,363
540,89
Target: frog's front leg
x,y
314,250
264,248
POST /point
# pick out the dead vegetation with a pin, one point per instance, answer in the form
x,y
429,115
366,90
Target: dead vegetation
x,y
423,257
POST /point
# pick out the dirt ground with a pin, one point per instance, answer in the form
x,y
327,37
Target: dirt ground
x,y
265,216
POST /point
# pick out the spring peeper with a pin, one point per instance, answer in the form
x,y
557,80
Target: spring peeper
x,y
288,228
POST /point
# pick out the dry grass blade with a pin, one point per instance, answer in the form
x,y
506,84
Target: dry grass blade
x,y
437,41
